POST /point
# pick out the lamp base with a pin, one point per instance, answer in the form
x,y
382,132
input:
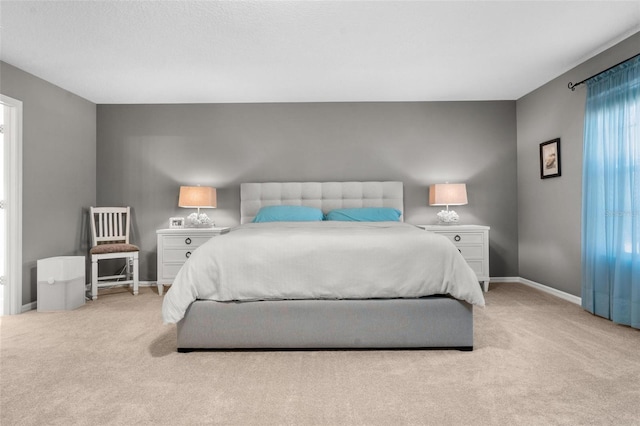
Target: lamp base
x,y
195,220
448,217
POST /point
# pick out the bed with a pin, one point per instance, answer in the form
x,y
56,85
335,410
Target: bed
x,y
247,289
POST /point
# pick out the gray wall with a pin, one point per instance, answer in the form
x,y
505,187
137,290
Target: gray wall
x,y
59,171
549,218
145,152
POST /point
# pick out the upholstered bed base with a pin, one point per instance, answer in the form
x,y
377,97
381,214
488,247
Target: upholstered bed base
x,y
429,322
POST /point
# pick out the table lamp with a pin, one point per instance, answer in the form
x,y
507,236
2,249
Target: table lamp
x,y
448,194
198,197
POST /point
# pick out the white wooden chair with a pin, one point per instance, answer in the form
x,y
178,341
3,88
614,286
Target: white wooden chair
x,y
110,240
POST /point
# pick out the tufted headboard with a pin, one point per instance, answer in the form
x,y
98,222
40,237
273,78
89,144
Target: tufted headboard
x,y
323,195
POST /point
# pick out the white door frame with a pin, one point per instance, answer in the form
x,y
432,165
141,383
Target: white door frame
x,y
13,178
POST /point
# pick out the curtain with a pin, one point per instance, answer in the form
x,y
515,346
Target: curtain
x,y
611,195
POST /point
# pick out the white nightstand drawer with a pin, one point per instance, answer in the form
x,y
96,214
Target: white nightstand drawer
x,y
464,237
473,243
185,241
170,270
175,247
477,266
177,255
471,252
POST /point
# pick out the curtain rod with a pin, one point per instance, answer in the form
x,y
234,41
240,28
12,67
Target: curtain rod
x,y
573,86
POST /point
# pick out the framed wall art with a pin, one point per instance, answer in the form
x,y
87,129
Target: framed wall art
x,y
550,159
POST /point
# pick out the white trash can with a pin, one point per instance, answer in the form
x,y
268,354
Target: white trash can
x,y
61,283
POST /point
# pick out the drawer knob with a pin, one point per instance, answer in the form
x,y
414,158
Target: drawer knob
x,y
187,254
187,241
457,238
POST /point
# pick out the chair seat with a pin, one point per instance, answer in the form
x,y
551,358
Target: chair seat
x,y
113,248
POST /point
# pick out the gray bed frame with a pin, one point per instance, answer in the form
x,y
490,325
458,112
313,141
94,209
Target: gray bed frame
x,y
428,322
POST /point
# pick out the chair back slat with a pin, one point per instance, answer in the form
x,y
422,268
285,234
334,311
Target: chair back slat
x,y
110,225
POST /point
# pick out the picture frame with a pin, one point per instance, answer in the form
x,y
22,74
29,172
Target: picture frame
x,y
550,159
176,222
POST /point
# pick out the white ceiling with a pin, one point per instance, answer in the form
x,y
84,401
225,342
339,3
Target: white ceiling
x,y
306,51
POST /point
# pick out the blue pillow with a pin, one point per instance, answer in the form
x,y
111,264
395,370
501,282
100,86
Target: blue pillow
x,y
288,214
365,214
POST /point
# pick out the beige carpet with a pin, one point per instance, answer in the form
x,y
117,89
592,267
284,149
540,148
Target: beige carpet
x,y
538,360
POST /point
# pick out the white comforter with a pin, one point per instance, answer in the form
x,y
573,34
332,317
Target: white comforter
x,y
321,260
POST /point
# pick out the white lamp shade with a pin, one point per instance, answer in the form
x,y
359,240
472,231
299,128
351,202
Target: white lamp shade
x,y
448,194
197,197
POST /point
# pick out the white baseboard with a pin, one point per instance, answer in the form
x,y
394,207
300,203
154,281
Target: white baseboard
x,y
558,293
555,292
34,305
505,279
140,284
28,307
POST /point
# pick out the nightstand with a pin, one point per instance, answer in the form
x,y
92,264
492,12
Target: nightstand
x,y
174,248
473,242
